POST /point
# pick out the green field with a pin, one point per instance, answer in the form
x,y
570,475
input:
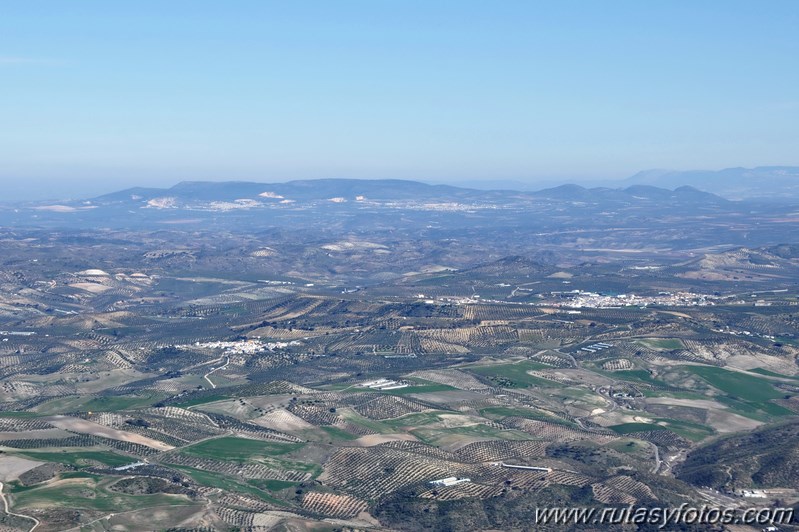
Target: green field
x,y
514,375
789,341
116,403
499,412
739,385
18,414
746,394
758,411
630,446
674,394
773,374
418,389
338,434
686,429
744,408
233,449
91,495
271,485
79,458
16,487
377,426
637,375
225,482
93,403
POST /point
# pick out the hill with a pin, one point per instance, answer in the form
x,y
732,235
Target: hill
x,y
731,183
764,458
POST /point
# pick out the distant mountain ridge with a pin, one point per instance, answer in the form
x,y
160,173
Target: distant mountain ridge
x,y
731,183
394,189
305,190
354,202
649,192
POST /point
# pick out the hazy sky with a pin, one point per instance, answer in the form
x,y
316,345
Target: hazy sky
x,y
104,94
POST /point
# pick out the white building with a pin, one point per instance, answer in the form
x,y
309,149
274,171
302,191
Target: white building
x,y
449,481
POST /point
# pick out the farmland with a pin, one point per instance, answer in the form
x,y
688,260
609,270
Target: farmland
x,y
321,365
238,449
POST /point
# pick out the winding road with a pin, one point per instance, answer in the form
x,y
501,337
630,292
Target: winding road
x,y
227,361
5,508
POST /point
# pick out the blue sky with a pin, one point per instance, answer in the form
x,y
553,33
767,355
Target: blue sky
x,y
100,95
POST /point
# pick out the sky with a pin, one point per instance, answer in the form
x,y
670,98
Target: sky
x,y
98,95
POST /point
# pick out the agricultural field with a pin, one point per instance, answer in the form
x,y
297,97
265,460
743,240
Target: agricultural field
x,y
303,376
91,493
240,450
515,375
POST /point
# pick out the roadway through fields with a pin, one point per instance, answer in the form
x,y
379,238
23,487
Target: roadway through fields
x,y
9,512
227,361
612,405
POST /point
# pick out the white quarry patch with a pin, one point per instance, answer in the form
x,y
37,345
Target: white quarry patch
x,y
449,481
93,273
56,208
353,245
162,203
11,467
263,252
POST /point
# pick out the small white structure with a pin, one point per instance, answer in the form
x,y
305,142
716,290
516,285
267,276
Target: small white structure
x,y
394,387
384,384
130,466
449,481
528,468
754,494
374,384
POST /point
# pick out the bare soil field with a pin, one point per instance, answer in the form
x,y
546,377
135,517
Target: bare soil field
x,y
11,467
189,516
93,288
88,427
282,420
729,422
779,365
376,439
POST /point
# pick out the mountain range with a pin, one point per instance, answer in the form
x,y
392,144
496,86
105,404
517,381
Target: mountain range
x,y
386,202
731,183
343,190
